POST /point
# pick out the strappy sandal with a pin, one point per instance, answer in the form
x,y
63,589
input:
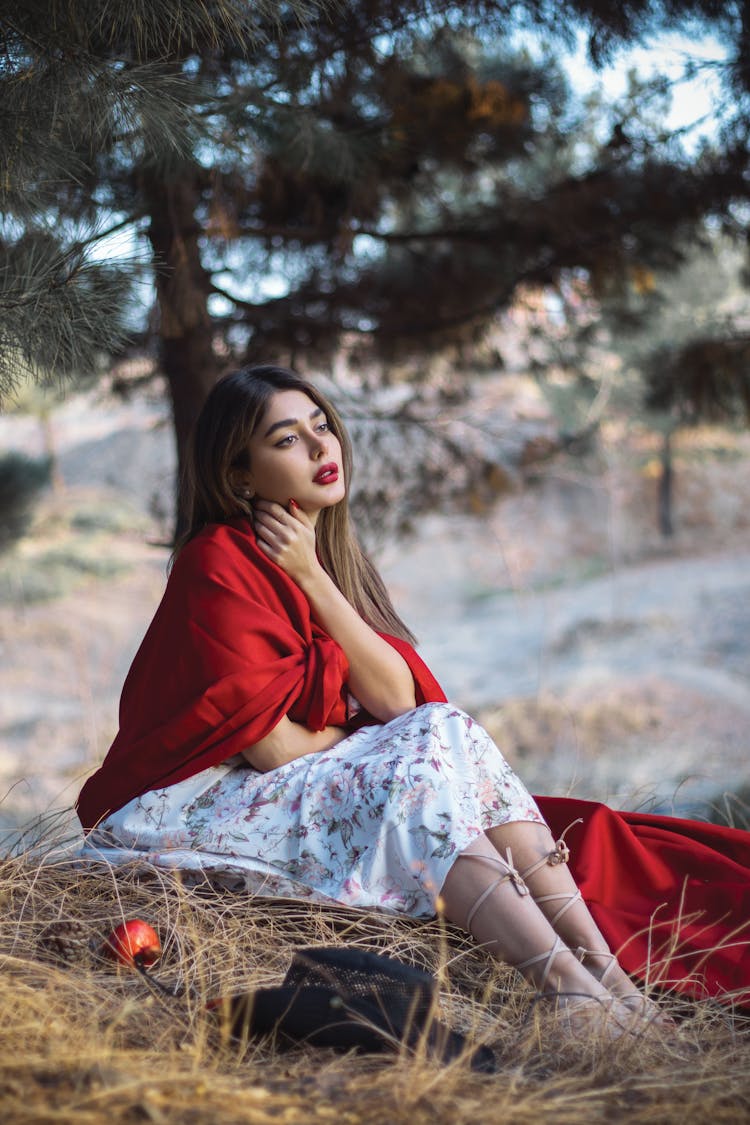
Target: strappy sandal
x,y
600,1016
560,854
510,875
548,957
578,1014
635,1001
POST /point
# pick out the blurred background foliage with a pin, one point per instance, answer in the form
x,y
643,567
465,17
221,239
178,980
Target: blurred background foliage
x,y
21,480
305,180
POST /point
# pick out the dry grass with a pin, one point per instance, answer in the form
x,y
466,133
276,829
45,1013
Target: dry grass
x,y
540,726
85,1042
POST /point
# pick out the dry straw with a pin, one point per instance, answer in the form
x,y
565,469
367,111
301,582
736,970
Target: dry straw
x,y
85,1042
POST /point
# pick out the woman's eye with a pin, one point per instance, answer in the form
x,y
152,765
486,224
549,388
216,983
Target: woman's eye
x,y
323,426
286,440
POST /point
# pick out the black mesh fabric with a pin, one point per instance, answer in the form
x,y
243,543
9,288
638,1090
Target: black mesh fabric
x,y
403,993
350,1000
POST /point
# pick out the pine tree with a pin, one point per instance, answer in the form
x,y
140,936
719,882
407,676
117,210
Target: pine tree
x,y
92,94
397,170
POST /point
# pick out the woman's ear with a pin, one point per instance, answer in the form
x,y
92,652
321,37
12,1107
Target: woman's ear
x,y
241,483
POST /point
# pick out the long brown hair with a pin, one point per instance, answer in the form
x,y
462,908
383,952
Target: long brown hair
x,y
220,443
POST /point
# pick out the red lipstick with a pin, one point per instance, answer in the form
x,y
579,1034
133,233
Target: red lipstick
x,y
327,474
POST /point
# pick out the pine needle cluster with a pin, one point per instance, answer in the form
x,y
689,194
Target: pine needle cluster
x,y
89,87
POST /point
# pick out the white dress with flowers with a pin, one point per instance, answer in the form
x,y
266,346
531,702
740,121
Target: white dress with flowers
x,y
375,822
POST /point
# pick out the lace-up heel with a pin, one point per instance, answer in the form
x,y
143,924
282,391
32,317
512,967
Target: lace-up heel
x,y
559,855
580,1015
579,1011
633,999
548,957
510,875
630,998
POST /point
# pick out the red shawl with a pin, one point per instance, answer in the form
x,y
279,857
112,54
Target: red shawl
x,y
232,648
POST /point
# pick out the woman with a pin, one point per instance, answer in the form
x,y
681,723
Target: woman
x,y
277,722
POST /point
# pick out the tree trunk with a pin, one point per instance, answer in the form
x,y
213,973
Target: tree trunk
x,y
666,481
182,287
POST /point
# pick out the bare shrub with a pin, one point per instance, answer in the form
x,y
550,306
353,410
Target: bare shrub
x,y
21,480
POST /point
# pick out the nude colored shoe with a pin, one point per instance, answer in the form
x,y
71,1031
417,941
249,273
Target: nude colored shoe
x,y
625,992
577,1014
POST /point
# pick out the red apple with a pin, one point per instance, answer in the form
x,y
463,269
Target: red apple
x,y
133,943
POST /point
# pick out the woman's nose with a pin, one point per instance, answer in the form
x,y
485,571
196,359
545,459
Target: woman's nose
x,y
318,446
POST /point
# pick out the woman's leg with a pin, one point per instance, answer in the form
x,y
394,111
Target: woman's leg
x,y
487,897
543,864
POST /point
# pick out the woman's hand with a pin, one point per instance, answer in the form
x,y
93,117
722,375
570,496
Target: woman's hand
x,y
379,677
287,537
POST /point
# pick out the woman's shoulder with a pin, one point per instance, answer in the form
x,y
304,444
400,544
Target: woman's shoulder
x,y
226,556
219,542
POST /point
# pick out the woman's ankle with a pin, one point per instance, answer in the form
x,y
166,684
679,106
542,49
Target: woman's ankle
x,y
571,978
598,962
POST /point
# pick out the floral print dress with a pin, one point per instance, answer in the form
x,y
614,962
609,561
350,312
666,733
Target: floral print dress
x,y
375,822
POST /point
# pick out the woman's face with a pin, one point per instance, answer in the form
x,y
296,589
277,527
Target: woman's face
x,y
294,456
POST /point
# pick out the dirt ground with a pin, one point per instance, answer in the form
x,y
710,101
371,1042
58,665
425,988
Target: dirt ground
x,y
607,662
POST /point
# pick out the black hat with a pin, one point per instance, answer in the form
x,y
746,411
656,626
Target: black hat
x,y
351,1000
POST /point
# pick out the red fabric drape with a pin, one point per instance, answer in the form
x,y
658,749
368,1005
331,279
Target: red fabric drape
x,y
232,648
671,896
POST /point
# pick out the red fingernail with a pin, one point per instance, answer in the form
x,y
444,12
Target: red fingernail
x,y
293,504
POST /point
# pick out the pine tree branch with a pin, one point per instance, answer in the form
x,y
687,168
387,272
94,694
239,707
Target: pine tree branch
x,y
107,232
475,234
242,303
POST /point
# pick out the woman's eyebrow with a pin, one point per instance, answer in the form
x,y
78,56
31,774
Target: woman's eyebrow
x,y
290,422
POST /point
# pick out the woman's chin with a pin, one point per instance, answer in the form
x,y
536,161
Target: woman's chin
x,y
329,500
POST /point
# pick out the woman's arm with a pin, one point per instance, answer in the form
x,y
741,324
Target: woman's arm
x,y
288,741
379,677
